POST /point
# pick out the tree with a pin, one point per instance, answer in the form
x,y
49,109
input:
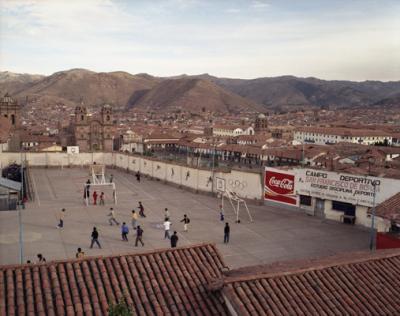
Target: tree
x,y
121,308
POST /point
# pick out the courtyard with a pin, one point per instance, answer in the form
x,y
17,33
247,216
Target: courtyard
x,y
277,233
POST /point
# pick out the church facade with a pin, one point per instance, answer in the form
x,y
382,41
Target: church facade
x,y
93,134
11,110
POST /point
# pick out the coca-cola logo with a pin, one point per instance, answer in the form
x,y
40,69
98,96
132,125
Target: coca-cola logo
x,y
283,184
280,183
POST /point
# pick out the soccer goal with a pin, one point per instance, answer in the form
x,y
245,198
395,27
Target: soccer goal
x,y
105,190
235,201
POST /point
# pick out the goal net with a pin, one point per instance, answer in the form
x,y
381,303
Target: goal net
x,y
99,190
236,203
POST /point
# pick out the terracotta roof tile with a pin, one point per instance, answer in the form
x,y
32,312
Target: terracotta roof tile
x,y
353,284
389,209
164,282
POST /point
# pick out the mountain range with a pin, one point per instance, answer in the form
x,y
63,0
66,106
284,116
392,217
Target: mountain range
x,y
199,93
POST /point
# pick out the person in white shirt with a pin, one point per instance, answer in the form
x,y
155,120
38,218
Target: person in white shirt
x,y
167,225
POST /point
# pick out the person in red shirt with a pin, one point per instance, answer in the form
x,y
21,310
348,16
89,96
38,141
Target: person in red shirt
x,y
94,198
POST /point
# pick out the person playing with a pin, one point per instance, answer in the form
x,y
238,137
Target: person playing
x,y
124,231
79,253
101,198
139,235
41,259
174,240
94,198
95,238
166,213
227,231
221,213
134,219
141,210
138,176
112,218
61,218
88,188
186,222
167,225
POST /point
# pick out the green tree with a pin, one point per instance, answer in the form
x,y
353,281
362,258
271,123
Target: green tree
x,y
121,308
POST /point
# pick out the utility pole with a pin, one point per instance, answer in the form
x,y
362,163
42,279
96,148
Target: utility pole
x,y
372,233
212,169
21,204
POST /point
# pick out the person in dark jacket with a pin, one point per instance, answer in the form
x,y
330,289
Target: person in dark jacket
x,y
174,240
95,238
141,210
139,235
124,231
186,222
227,231
41,259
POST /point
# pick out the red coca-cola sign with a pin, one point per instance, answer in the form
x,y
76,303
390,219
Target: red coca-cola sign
x,y
279,186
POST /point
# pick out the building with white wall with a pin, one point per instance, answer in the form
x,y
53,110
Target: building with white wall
x,y
333,135
232,130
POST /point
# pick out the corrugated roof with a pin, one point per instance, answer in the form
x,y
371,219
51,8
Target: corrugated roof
x,y
10,184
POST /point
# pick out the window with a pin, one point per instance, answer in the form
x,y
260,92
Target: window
x,y
305,200
12,119
82,117
108,117
347,208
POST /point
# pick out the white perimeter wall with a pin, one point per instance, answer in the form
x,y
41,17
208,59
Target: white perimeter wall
x,y
246,184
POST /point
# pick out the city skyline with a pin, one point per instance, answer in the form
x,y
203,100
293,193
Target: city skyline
x,y
244,39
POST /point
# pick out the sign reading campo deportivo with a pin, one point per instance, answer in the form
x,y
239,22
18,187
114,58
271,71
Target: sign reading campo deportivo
x,y
354,189
279,186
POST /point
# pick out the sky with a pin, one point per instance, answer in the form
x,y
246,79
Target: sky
x,y
332,39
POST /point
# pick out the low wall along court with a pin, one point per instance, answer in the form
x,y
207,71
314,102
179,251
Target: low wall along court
x,y
247,185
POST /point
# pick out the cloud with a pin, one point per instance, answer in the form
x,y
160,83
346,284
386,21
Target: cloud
x,y
233,10
259,5
177,36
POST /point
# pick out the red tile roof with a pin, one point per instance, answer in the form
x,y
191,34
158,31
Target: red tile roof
x,y
389,209
171,281
352,284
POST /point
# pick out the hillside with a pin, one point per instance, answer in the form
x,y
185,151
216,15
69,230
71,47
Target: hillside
x,y
13,83
289,91
194,95
92,88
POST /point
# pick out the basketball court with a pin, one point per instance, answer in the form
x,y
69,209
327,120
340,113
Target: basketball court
x,y
276,233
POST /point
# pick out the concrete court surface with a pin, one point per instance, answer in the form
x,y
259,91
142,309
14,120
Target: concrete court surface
x,y
276,234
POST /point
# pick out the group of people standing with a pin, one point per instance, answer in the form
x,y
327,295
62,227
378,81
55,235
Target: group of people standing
x,y
95,195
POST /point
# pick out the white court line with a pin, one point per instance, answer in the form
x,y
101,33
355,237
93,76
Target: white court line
x,y
135,186
35,189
